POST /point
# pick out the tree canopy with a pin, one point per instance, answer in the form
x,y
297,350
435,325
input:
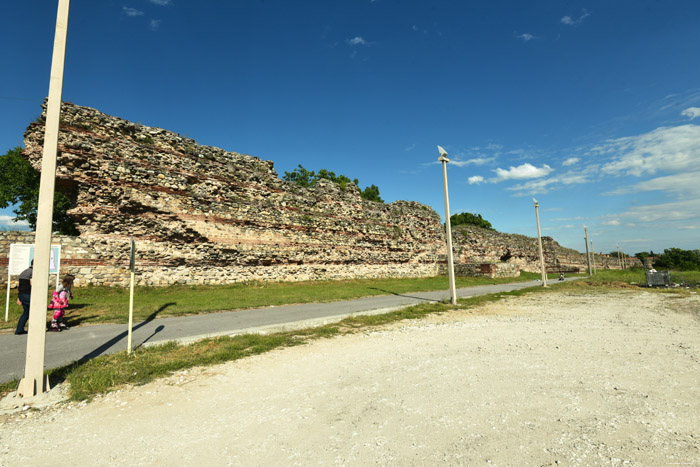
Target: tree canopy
x,y
19,187
308,178
470,219
676,258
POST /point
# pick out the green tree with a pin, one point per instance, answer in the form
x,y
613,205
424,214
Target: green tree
x,y
308,178
678,259
19,187
371,193
470,219
642,256
300,176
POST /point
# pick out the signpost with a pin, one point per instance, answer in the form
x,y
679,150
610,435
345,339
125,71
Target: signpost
x,y
132,268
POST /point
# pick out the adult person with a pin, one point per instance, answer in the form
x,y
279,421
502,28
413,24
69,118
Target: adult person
x,y
24,296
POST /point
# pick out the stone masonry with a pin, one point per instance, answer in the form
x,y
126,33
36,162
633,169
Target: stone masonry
x,y
200,214
203,215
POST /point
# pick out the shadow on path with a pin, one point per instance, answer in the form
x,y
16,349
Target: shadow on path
x,y
107,345
60,376
405,296
158,329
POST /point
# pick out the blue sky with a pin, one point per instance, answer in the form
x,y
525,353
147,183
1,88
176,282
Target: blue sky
x,y
592,107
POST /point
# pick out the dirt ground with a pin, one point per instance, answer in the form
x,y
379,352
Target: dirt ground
x,y
564,378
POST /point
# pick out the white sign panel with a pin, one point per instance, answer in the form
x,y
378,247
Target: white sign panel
x,y
20,258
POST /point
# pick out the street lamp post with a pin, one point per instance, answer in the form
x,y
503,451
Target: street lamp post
x,y
588,253
619,258
34,381
539,243
450,262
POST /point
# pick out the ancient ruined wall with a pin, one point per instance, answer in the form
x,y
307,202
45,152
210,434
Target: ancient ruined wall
x,y
478,245
200,214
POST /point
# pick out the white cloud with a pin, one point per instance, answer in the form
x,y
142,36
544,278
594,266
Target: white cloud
x,y
687,227
662,213
691,112
410,148
612,222
574,21
669,149
545,185
132,11
9,223
155,24
477,161
357,40
476,179
525,36
684,184
162,2
523,171
570,161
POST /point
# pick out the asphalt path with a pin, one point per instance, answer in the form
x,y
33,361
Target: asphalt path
x,y
89,341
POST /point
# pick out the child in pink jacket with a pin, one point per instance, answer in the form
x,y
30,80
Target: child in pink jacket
x,y
59,303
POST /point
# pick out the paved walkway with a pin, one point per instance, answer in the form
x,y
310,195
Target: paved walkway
x,y
86,342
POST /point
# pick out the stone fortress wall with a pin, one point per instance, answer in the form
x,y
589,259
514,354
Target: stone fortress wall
x,y
203,215
474,245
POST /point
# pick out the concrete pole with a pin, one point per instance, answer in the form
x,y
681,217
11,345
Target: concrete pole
x,y
450,260
595,269
588,254
34,381
619,258
539,244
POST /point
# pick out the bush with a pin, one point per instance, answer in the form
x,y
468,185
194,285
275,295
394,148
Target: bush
x,y
470,219
308,178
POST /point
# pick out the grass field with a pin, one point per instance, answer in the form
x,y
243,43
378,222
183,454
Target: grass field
x,y
111,305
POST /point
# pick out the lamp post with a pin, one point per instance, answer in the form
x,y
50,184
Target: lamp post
x,y
539,243
619,258
588,254
34,381
450,262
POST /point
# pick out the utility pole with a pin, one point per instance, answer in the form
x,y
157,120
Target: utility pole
x,y
539,243
619,257
34,381
588,254
450,262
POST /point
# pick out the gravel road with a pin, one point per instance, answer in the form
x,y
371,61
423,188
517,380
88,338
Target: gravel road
x,y
563,378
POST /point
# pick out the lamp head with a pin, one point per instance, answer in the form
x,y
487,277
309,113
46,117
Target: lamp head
x,y
535,201
443,154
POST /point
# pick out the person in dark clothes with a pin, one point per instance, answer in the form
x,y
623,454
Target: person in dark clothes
x,y
24,296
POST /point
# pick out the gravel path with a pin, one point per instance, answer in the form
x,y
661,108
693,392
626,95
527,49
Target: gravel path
x,y
544,379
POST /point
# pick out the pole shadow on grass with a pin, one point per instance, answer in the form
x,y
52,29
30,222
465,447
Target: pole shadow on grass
x,y
107,345
406,296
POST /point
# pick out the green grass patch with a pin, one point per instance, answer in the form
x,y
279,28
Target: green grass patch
x,y
94,305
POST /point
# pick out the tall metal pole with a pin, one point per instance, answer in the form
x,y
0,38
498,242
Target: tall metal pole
x,y
539,243
595,269
34,381
588,254
450,262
